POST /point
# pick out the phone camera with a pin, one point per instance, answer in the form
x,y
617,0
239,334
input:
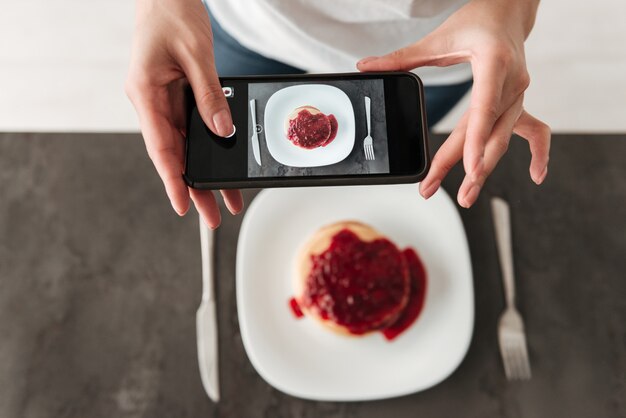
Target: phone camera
x,y
228,91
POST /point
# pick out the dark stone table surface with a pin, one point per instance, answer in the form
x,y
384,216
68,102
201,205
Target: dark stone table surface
x,y
100,281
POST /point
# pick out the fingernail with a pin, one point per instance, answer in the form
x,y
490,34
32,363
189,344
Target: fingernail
x,y
470,197
233,210
223,124
430,189
211,226
366,60
542,176
179,212
233,133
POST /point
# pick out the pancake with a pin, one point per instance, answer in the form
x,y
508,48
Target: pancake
x,y
308,128
351,278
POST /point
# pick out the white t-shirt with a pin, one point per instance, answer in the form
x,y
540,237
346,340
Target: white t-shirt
x,y
332,35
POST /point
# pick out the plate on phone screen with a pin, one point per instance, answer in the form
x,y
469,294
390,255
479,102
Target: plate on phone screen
x,y
329,100
304,359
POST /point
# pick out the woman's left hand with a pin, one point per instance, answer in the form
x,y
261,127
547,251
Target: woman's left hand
x,y
490,35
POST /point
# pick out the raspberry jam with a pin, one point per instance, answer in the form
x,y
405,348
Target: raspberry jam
x,y
295,308
416,297
310,131
365,286
359,285
333,129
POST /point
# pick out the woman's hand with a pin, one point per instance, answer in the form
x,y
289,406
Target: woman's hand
x,y
489,34
173,45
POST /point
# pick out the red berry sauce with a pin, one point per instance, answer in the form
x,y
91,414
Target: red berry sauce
x,y
359,285
334,126
295,308
416,298
310,131
365,286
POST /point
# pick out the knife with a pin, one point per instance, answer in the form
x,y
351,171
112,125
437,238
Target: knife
x,y
255,135
206,321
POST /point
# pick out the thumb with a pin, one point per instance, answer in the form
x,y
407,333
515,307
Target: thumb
x,y
430,51
207,90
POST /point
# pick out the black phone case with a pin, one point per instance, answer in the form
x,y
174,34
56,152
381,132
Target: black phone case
x,y
375,179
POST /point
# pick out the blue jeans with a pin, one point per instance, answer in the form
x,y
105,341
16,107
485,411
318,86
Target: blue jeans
x,y
232,59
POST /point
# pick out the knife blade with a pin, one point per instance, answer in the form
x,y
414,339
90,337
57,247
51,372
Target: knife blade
x,y
206,321
255,136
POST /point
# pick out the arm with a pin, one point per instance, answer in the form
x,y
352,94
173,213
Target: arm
x,y
490,35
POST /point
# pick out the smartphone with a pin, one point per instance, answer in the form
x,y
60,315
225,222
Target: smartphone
x,y
312,130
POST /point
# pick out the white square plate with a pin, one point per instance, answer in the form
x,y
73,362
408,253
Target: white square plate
x,y
303,359
329,100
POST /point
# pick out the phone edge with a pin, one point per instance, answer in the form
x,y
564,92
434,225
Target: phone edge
x,y
312,182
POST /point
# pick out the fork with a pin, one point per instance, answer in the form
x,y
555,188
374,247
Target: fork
x,y
511,336
368,142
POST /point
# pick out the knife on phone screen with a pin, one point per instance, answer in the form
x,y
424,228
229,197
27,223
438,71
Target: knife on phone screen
x,y
206,320
255,136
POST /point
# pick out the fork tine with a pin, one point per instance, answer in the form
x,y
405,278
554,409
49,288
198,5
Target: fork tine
x,y
517,362
508,360
515,359
525,362
523,370
372,148
507,365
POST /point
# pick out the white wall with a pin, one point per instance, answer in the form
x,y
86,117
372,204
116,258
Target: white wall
x,y
63,64
576,56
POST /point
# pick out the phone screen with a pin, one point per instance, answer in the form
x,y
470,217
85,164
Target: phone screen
x,y
318,129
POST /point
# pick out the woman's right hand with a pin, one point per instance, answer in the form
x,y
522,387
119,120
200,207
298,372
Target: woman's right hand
x,y
173,46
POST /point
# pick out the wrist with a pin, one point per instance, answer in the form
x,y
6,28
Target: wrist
x,y
527,10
